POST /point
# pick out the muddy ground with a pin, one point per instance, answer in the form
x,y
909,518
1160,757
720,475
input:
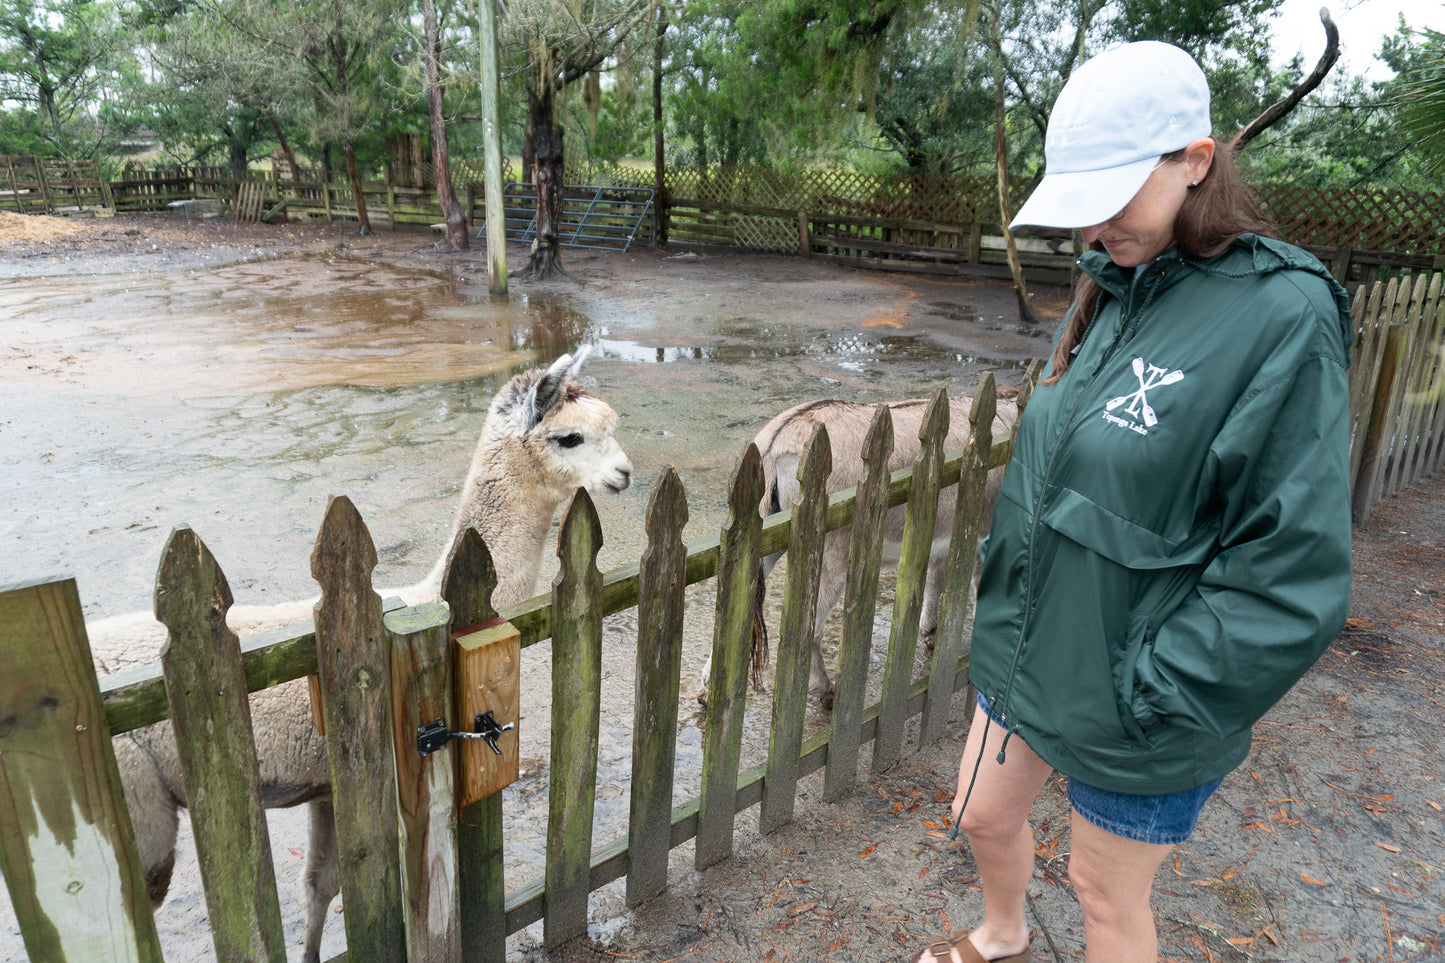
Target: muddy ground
x,y
1325,845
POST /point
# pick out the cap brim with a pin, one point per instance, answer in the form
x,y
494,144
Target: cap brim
x,y
1084,198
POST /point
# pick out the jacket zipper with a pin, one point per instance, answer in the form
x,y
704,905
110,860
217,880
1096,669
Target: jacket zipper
x,y
1126,324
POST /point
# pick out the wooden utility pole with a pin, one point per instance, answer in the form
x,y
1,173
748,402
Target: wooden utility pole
x,y
492,151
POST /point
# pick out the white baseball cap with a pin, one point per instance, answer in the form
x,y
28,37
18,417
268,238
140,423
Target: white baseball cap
x,y
1115,117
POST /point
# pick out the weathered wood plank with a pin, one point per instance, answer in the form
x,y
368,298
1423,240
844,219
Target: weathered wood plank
x,y
795,643
1388,391
860,603
488,663
1403,435
953,603
576,716
912,572
206,687
467,584
1435,419
1422,398
661,586
66,845
351,657
738,559
421,692
1364,366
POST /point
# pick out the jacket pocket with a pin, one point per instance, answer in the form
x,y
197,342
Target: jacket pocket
x,y
1126,672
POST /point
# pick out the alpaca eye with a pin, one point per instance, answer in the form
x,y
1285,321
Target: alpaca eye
x,y
569,441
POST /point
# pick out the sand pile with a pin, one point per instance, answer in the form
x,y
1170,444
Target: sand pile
x,y
30,228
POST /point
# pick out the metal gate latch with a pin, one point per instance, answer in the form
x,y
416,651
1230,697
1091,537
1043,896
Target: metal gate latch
x,y
434,735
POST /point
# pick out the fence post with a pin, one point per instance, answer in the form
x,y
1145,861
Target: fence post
x,y
211,719
661,584
576,716
860,602
66,844
1367,481
467,584
351,662
955,596
805,242
420,685
737,572
912,574
795,638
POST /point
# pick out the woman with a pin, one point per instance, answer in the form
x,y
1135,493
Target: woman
x,y
1171,548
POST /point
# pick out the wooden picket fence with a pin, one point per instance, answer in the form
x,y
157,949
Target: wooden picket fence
x,y
1397,387
411,853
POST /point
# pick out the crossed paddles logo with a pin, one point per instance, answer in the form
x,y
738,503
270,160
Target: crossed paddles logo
x,y
1136,403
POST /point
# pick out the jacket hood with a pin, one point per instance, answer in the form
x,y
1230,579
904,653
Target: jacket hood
x,y
1248,253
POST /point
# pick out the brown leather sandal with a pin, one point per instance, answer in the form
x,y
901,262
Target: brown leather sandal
x,y
941,951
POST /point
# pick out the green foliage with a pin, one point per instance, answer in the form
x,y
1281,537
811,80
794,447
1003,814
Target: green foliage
x,y
934,104
62,65
1351,133
1419,97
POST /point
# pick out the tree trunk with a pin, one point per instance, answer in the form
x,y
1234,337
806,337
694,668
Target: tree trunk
x,y
237,157
492,149
285,146
355,176
1026,311
529,149
456,218
659,198
546,259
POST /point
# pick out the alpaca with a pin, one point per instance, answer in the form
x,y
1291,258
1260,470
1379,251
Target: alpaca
x,y
544,437
781,443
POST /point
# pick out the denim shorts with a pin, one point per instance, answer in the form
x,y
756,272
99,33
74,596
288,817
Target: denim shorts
x,y
1166,819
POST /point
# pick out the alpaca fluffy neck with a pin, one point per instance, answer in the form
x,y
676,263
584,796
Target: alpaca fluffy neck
x,y
507,502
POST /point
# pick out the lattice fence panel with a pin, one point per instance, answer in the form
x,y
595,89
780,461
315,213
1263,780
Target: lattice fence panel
x,y
760,233
1369,220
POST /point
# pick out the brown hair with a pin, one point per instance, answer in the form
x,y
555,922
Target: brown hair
x,y
1215,212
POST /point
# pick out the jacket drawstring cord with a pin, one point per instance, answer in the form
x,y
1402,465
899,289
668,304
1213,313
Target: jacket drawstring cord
x,y
987,720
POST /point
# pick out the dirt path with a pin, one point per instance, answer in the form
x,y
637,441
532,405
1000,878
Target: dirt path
x,y
1325,845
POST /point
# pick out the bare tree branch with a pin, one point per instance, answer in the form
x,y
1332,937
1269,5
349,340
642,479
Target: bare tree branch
x,y
1278,111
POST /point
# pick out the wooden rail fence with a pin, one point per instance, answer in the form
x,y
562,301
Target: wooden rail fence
x,y
399,817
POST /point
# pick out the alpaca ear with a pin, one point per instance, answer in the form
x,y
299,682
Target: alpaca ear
x,y
583,353
545,393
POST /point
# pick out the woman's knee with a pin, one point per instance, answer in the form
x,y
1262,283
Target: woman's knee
x,y
1112,876
985,822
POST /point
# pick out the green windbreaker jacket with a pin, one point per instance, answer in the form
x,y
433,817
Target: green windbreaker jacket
x,y
1171,548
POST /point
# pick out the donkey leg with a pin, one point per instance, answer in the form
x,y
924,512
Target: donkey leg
x,y
830,591
322,874
932,589
153,814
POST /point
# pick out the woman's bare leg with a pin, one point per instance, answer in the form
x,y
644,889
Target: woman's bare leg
x,y
996,822
1113,878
